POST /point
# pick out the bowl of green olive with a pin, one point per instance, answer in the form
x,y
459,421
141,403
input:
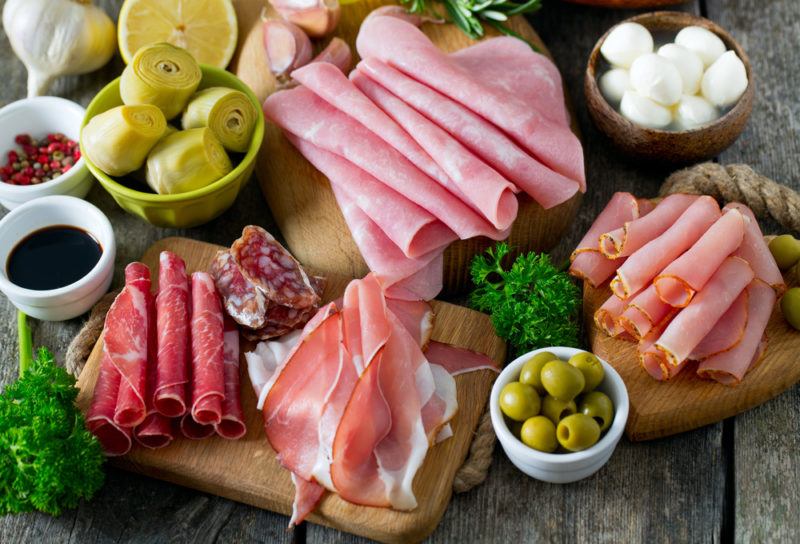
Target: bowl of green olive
x,y
559,413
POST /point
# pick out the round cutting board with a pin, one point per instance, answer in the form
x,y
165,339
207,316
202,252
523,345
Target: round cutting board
x,y
301,198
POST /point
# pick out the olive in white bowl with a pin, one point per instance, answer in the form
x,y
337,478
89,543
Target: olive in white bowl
x,y
559,467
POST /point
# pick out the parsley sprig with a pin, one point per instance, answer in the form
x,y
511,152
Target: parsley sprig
x,y
470,15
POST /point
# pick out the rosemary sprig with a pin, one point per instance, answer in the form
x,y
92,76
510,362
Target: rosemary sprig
x,y
469,15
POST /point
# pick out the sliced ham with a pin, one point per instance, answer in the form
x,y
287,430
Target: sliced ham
x,y
727,332
114,439
306,498
657,368
694,322
417,317
643,312
607,315
411,52
731,366
232,425
457,361
208,376
641,267
265,359
634,234
244,302
423,284
755,251
685,276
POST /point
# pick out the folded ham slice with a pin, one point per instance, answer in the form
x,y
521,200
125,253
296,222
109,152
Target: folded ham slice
x,y
114,439
208,375
641,267
727,332
607,315
644,312
685,276
755,251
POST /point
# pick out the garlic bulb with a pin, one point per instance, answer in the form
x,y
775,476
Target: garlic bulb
x,y
58,37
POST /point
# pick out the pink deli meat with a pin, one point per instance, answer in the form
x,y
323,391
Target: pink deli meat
x,y
641,267
727,332
208,376
114,439
755,251
685,276
644,312
457,361
607,315
232,425
244,302
410,51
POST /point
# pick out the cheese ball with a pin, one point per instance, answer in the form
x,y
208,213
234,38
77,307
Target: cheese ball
x,y
656,78
693,112
725,81
643,111
688,64
614,83
625,43
708,46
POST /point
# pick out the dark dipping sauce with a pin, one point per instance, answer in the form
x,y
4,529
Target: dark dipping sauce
x,y
53,257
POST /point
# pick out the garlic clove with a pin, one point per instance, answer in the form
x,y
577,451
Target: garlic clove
x,y
625,43
694,112
287,47
707,45
688,64
614,83
657,78
643,111
725,81
338,53
317,18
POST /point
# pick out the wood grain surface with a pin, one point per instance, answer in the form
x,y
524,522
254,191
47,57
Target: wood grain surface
x,y
301,198
248,471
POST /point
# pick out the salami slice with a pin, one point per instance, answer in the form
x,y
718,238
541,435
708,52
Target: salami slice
x,y
232,425
271,268
208,380
244,302
114,439
172,337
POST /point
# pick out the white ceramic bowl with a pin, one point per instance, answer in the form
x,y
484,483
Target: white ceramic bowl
x,y
560,468
74,299
40,116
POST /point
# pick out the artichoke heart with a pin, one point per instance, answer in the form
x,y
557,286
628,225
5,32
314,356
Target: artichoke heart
x,y
163,75
227,112
185,161
118,141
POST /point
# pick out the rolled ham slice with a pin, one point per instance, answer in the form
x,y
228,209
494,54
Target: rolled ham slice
x,y
606,317
208,375
114,439
731,366
727,332
755,251
695,321
644,312
685,276
657,368
641,267
631,236
232,425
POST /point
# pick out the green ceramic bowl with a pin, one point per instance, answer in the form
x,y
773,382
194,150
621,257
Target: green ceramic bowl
x,y
186,209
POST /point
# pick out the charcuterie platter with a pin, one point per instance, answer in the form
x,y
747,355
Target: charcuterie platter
x,y
301,198
246,470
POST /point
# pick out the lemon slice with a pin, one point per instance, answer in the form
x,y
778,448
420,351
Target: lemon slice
x,y
205,28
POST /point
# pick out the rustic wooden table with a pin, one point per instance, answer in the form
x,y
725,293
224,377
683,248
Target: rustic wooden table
x,y
734,480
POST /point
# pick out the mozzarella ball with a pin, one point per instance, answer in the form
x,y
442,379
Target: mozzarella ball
x,y
688,64
725,81
693,112
614,83
707,45
625,43
655,77
643,111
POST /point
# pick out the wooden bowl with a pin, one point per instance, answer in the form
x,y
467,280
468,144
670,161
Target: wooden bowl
x,y
627,4
670,146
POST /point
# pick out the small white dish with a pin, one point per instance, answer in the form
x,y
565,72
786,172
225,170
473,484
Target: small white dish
x,y
39,116
74,299
560,468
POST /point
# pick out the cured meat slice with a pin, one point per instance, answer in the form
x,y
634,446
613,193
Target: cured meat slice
x,y
304,114
634,234
644,312
208,377
114,439
607,315
547,187
681,279
658,368
154,432
244,302
731,366
486,191
421,284
416,316
755,251
414,230
172,336
194,430
593,267
232,425
727,332
695,321
125,343
265,359
641,267
457,361
267,264
307,496
410,51
365,329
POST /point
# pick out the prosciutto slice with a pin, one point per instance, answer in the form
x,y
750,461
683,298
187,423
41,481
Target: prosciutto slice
x,y
731,366
681,279
641,267
416,316
125,344
232,425
208,377
644,312
727,332
755,251
244,302
457,361
114,439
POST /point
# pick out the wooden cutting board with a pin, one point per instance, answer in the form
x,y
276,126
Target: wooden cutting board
x,y
301,198
247,471
687,402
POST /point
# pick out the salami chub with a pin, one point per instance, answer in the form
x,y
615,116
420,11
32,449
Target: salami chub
x,y
244,302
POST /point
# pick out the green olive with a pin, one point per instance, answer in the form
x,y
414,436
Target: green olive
x,y
562,380
556,410
578,432
591,368
519,401
786,250
598,406
514,426
539,433
790,306
532,370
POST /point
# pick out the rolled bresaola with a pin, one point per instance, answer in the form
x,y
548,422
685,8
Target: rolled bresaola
x,y
114,439
232,425
208,377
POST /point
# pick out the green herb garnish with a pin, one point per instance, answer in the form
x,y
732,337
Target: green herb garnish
x,y
469,15
48,460
532,304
